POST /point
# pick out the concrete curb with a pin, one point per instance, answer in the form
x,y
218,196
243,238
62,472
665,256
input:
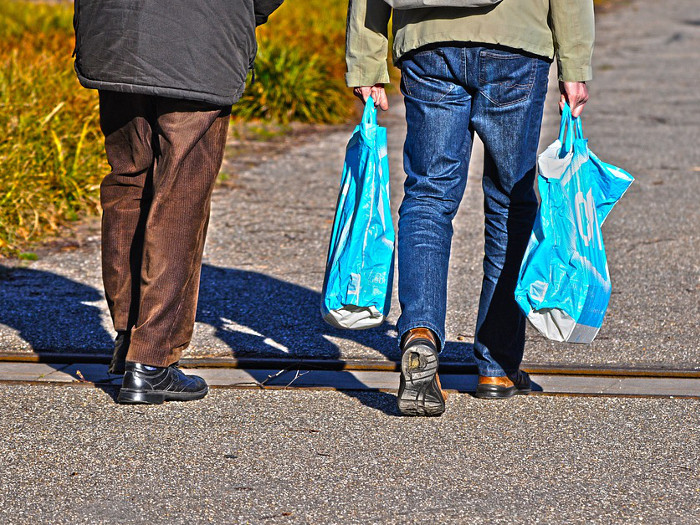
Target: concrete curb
x,y
558,383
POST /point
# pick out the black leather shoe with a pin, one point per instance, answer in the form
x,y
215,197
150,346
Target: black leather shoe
x,y
154,385
121,347
420,393
503,387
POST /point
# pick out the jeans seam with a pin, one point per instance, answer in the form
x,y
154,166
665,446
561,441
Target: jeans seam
x,y
407,83
507,104
442,97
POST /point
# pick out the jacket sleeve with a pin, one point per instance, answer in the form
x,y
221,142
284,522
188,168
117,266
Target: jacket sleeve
x,y
367,43
573,28
264,8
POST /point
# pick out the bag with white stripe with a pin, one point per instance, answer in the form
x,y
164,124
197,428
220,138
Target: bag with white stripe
x,y
564,284
360,266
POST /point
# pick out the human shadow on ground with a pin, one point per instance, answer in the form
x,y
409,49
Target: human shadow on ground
x,y
256,314
55,315
259,315
253,314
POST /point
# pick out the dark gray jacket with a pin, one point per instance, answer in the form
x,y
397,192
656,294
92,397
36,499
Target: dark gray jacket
x,y
189,49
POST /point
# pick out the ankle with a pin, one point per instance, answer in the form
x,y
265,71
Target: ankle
x,y
142,367
419,333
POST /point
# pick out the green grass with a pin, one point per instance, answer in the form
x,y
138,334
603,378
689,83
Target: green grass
x,y
300,67
290,85
51,157
51,148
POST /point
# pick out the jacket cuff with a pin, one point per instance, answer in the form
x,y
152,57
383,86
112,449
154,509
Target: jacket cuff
x,y
574,73
367,78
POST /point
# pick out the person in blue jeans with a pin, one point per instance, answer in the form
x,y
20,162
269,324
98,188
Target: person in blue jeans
x,y
454,87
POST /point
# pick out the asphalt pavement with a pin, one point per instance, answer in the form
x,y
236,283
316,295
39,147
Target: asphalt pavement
x,y
69,455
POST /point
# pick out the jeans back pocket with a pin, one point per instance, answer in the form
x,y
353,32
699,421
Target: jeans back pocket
x,y
505,77
425,76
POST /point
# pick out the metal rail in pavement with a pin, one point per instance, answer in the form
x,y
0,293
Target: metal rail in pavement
x,y
377,375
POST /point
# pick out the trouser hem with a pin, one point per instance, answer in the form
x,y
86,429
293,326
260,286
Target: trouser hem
x,y
439,333
155,357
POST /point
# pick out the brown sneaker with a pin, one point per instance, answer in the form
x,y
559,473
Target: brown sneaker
x,y
420,393
503,387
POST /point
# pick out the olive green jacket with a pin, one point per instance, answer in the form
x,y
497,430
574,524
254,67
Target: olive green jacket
x,y
547,28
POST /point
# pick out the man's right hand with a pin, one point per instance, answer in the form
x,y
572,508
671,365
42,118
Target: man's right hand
x,y
377,93
575,94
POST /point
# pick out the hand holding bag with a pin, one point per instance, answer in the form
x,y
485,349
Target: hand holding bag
x,y
360,265
564,285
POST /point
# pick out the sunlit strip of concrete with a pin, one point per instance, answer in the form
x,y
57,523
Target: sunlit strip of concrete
x,y
552,384
370,365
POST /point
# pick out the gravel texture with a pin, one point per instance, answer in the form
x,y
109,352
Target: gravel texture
x,y
69,455
270,226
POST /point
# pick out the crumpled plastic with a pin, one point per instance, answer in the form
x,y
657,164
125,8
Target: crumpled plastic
x,y
360,265
564,283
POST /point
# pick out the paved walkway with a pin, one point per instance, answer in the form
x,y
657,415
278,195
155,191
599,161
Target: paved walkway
x,y
69,455
269,233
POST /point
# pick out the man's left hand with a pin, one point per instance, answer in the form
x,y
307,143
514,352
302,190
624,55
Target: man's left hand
x,y
377,93
576,94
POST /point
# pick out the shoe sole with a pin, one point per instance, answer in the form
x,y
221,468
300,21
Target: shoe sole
x,y
419,393
139,397
496,392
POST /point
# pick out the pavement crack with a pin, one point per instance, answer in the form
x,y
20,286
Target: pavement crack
x,y
59,368
649,242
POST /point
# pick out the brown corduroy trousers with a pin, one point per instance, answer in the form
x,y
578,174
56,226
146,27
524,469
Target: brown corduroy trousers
x,y
165,155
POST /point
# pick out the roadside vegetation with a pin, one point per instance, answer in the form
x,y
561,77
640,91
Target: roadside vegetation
x,y
300,66
50,149
51,152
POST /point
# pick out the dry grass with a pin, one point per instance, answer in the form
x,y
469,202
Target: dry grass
x,y
51,149
51,152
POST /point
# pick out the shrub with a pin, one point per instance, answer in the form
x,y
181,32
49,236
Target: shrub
x,y
292,86
51,148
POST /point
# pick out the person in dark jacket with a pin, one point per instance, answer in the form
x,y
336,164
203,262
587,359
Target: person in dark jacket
x,y
167,72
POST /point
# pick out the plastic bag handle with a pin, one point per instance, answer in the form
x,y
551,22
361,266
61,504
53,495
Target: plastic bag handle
x,y
369,115
569,129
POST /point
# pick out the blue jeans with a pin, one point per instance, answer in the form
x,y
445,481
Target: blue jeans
x,y
451,92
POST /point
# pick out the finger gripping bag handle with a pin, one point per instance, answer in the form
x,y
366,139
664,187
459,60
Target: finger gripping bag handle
x,y
368,125
569,129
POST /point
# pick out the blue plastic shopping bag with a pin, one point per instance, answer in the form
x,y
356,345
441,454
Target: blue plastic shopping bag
x,y
359,269
564,284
